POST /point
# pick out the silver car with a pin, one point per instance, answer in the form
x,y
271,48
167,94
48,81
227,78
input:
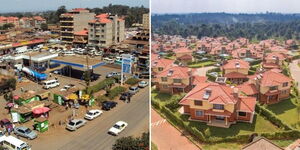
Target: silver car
x,y
25,132
75,124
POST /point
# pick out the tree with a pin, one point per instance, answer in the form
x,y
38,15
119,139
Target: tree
x,y
44,26
131,143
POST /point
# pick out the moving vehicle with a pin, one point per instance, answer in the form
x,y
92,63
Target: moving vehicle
x,y
92,114
50,84
108,105
133,90
112,74
5,123
13,143
118,128
125,95
34,74
143,84
25,132
75,124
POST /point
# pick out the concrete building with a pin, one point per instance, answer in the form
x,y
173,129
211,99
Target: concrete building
x,y
106,30
146,21
74,21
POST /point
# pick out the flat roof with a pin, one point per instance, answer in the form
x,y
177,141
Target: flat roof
x,y
79,61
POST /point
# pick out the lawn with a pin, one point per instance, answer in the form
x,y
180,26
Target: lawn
x,y
153,146
202,64
259,123
283,143
223,146
286,110
171,57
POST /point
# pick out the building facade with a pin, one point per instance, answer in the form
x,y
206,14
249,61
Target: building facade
x,y
74,21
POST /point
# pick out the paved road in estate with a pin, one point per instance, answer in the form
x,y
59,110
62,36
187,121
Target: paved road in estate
x,y
94,135
295,71
166,137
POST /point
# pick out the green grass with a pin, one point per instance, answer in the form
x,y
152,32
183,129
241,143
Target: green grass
x,y
223,146
153,146
171,57
286,110
201,64
259,124
283,143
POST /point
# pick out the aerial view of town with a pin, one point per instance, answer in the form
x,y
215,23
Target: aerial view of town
x,y
225,75
74,75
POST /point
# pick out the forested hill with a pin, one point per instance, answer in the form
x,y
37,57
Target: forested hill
x,y
252,26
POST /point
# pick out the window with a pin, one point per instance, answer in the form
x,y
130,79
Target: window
x,y
160,69
165,86
244,114
273,88
198,103
102,31
199,113
218,106
177,80
284,92
285,84
164,79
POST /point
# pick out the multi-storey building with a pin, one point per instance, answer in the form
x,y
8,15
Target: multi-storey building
x,y
146,21
7,20
74,21
274,60
218,105
106,30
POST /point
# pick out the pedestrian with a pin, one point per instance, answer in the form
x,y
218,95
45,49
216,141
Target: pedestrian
x,y
129,98
50,74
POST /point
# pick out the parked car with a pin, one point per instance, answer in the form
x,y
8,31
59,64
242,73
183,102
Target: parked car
x,y
112,74
133,90
143,84
66,87
108,60
25,132
108,105
75,124
125,95
92,114
68,53
5,123
117,128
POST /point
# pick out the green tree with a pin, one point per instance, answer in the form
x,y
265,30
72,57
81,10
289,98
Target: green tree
x,y
44,26
131,143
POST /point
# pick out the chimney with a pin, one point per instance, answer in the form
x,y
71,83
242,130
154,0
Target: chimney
x,y
236,92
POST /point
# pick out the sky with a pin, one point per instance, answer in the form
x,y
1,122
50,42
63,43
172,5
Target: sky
x,y
229,6
42,5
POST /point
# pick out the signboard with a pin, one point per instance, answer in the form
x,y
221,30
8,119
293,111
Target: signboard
x,y
126,63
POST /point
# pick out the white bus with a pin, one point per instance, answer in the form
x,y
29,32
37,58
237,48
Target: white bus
x,y
12,143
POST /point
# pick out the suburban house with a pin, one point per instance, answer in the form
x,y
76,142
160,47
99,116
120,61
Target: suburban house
x,y
184,55
274,60
236,71
272,86
218,105
177,79
160,64
261,143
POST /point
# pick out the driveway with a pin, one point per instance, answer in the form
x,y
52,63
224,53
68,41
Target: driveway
x,y
295,71
202,71
166,137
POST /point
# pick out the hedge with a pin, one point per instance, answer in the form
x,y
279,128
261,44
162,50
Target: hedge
x,y
269,115
132,81
255,62
296,57
101,85
214,70
116,91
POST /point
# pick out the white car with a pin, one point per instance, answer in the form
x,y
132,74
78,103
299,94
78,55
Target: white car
x,y
69,53
66,87
143,84
92,114
118,128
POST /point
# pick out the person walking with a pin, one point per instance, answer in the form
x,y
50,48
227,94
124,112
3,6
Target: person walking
x,y
129,98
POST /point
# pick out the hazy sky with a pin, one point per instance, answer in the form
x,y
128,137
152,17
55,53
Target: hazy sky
x,y
38,5
231,6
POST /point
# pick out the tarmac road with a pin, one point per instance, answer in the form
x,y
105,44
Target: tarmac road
x,y
93,136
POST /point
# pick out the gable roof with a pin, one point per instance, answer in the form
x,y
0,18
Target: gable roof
x,y
220,94
247,88
232,64
162,62
182,50
177,72
247,104
271,78
262,144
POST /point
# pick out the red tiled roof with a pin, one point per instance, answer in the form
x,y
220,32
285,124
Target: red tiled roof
x,y
78,9
235,75
101,20
182,50
271,78
178,72
247,104
275,55
220,94
199,79
82,33
39,18
162,62
186,57
102,16
231,64
248,89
